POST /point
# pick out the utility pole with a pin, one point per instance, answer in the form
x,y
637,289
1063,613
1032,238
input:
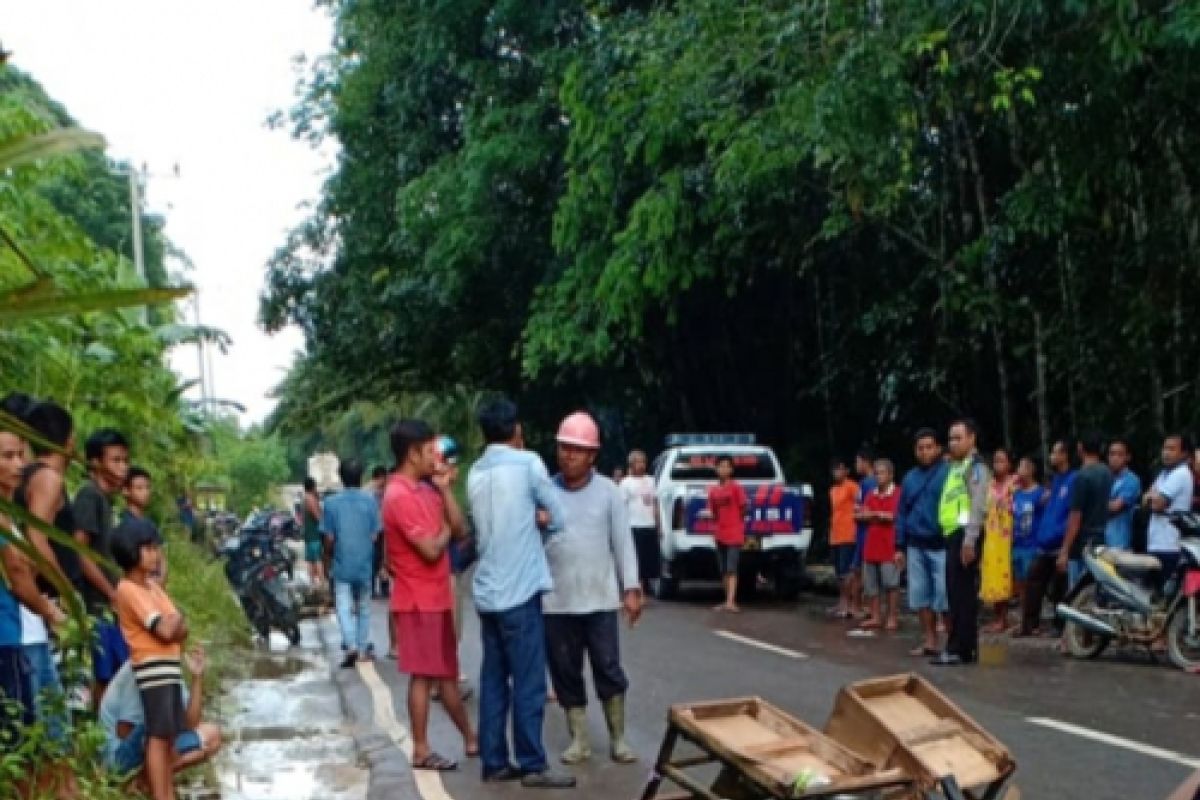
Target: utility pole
x,y
135,212
204,404
135,206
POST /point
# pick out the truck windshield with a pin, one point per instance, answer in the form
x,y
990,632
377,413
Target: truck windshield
x,y
703,466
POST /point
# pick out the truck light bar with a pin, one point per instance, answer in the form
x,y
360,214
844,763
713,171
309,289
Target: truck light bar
x,y
683,439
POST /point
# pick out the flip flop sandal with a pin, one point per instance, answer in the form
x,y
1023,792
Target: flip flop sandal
x,y
923,652
436,763
860,633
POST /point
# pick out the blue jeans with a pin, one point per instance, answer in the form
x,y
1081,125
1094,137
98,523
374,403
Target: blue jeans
x,y
353,601
927,579
130,754
48,696
514,648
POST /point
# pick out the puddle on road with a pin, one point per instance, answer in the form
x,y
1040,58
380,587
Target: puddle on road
x,y
284,734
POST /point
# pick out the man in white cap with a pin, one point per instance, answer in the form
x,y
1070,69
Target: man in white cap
x,y
594,566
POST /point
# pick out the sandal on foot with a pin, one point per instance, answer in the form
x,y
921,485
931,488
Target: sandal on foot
x,y
926,652
436,762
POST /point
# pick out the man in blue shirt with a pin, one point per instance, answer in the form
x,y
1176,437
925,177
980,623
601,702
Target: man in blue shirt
x,y
351,523
1044,578
917,530
123,720
509,489
1123,498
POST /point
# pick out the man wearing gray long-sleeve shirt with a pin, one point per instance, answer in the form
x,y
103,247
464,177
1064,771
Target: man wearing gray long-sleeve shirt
x,y
594,566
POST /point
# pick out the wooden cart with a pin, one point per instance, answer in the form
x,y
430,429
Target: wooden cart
x,y
760,750
904,722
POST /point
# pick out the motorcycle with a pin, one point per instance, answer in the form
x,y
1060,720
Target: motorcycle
x,y
256,570
1119,599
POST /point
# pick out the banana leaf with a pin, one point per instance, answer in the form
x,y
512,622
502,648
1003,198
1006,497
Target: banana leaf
x,y
66,592
14,425
16,308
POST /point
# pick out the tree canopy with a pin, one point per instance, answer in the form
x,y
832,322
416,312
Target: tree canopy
x,y
826,222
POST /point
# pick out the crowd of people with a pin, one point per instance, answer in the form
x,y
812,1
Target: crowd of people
x,y
551,564
555,563
967,530
136,683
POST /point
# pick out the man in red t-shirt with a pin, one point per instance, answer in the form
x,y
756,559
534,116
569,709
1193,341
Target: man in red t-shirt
x,y
727,505
880,571
420,516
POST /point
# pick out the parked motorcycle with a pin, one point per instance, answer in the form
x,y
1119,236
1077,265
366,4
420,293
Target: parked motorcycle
x,y
1119,599
256,569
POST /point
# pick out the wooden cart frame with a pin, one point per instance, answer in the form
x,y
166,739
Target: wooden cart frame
x,y
748,766
904,721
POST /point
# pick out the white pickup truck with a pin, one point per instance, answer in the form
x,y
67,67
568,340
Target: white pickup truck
x,y
778,526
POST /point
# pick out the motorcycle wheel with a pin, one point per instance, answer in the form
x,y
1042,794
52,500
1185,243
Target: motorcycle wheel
x,y
1080,642
1183,651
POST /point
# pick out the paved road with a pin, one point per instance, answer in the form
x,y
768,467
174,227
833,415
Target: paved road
x,y
678,653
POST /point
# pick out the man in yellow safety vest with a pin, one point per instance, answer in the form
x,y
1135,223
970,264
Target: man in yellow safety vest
x,y
960,516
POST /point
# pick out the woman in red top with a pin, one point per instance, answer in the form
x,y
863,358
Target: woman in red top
x,y
881,573
727,505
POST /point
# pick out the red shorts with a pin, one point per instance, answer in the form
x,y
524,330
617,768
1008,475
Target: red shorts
x,y
425,643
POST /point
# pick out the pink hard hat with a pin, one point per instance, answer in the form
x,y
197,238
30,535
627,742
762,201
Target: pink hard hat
x,y
580,430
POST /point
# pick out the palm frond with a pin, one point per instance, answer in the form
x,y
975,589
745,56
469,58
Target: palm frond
x,y
31,147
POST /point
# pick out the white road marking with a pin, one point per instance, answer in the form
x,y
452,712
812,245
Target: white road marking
x,y
1116,741
429,782
770,648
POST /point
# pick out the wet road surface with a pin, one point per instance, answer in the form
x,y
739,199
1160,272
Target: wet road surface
x,y
283,730
794,657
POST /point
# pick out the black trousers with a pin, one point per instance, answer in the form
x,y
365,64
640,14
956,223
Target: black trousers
x,y
648,555
962,590
1044,580
568,637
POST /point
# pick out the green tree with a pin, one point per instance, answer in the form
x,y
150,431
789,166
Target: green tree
x,y
825,222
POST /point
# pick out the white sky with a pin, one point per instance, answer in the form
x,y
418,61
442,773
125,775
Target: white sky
x,y
191,83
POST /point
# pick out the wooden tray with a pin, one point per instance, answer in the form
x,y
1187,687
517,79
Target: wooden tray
x,y
903,721
771,747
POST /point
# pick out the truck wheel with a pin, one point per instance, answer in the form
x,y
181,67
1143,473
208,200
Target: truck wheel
x,y
668,586
789,580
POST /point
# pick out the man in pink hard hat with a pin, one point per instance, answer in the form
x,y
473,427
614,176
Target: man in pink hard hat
x,y
594,566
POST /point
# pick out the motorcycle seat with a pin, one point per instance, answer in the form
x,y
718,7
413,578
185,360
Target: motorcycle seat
x,y
1135,562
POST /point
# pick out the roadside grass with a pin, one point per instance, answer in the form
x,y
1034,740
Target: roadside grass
x,y
196,583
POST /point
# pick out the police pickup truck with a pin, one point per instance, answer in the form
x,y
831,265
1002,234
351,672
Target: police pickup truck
x,y
778,530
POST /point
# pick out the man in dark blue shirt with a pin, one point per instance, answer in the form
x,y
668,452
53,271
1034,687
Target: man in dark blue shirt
x,y
919,539
1044,577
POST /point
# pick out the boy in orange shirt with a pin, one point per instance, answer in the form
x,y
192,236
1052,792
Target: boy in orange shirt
x,y
843,496
155,631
